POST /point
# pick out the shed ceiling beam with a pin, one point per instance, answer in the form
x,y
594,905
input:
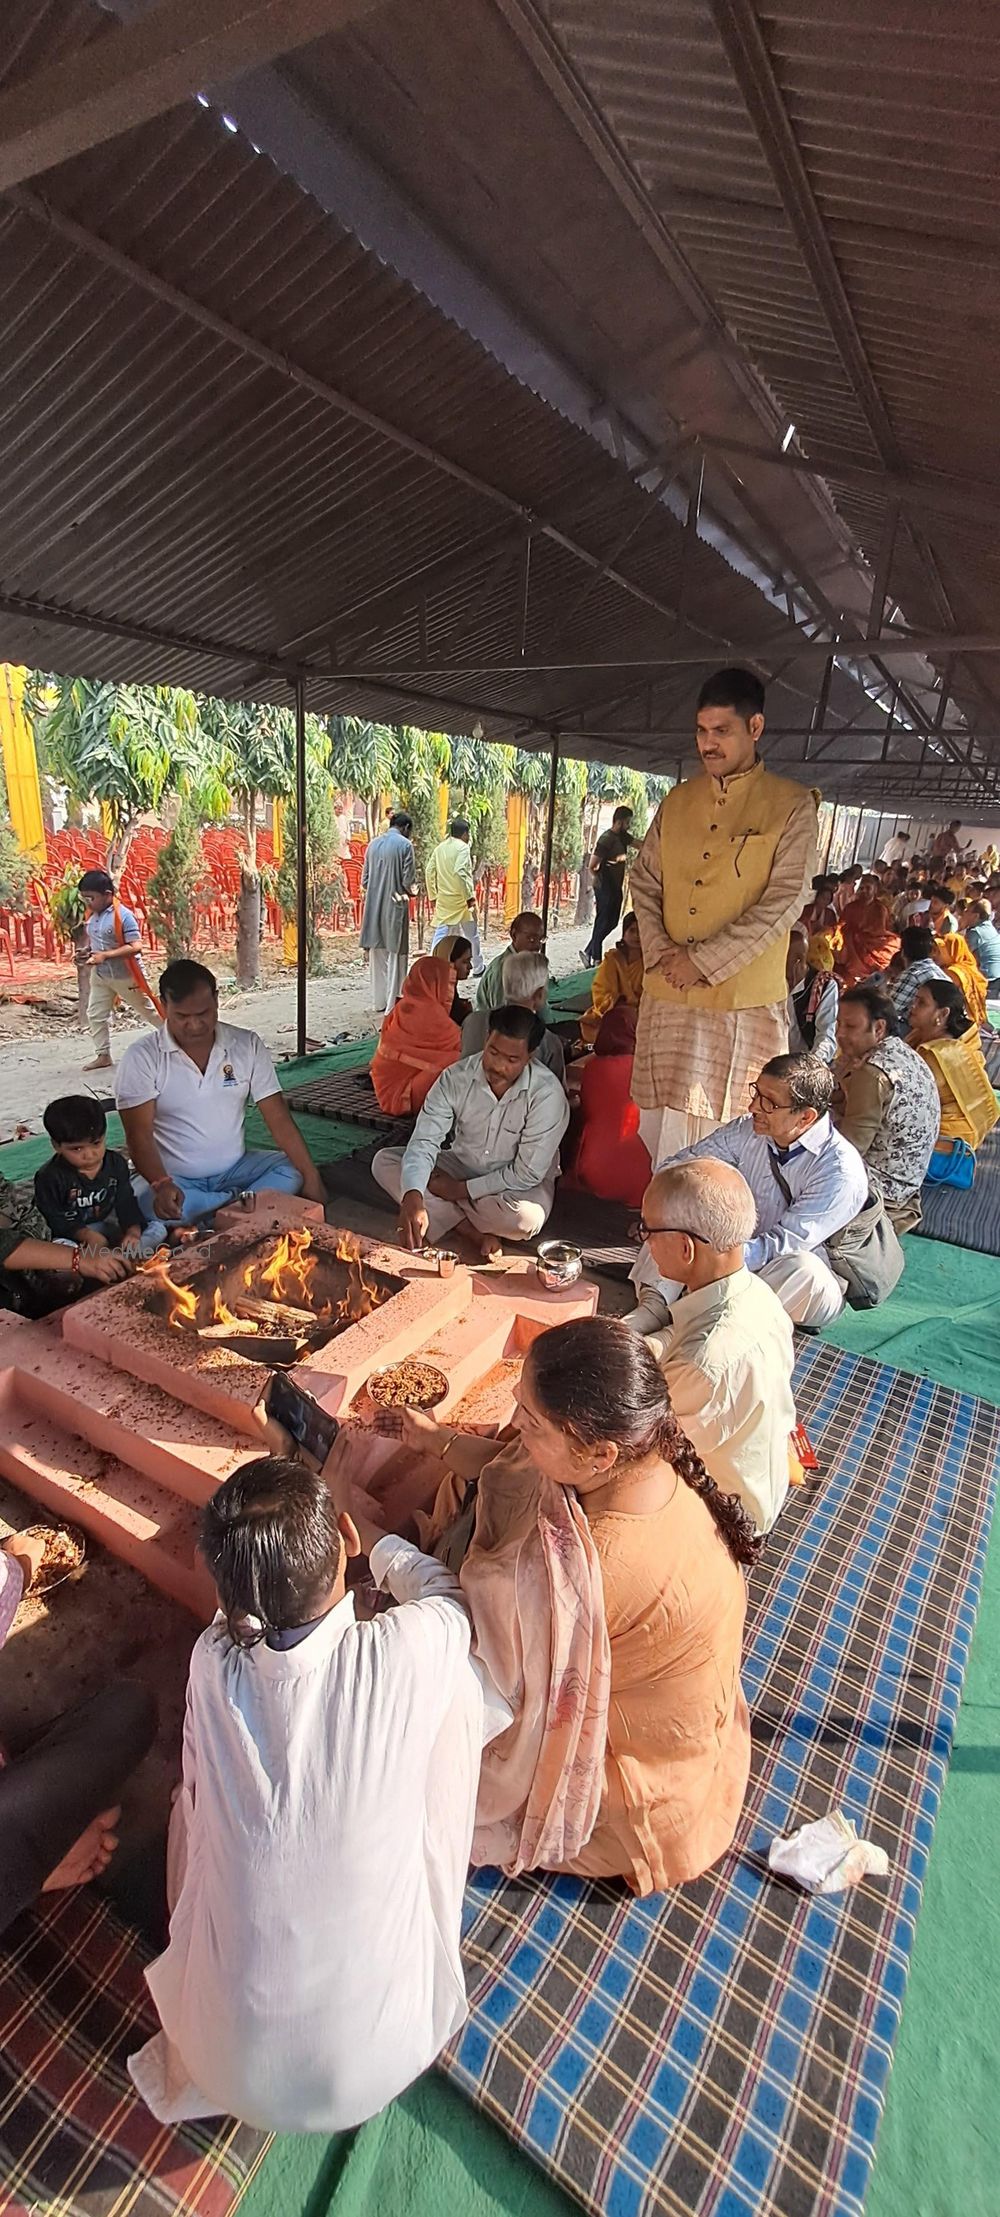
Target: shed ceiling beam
x,y
761,651
147,635
960,497
746,49
128,76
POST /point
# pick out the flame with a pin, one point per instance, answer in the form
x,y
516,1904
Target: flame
x,y
183,1310
288,1276
223,1315
362,1294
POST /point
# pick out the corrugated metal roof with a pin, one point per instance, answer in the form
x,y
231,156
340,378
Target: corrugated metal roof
x,y
163,475
238,443
896,120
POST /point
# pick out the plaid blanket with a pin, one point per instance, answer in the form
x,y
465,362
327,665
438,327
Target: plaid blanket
x,y
723,2050
969,1219
74,2135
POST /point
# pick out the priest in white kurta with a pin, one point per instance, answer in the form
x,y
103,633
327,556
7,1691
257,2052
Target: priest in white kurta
x,y
323,1827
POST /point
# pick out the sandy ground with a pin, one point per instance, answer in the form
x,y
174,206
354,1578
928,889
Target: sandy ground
x,y
42,1052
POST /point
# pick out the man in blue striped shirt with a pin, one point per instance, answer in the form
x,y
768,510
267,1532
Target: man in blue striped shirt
x,y
806,1179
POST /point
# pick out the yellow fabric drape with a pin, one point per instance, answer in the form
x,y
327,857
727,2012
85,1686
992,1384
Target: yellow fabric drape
x,y
517,841
955,955
615,980
968,1102
20,763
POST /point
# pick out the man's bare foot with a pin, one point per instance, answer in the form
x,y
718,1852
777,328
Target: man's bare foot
x,y
490,1249
103,1062
89,1856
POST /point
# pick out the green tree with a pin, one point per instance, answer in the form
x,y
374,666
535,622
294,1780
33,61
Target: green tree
x,y
16,871
490,841
122,745
423,760
252,750
363,760
324,880
477,776
567,825
173,886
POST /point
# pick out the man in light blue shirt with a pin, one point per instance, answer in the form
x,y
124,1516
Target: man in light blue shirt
x,y
485,1149
806,1179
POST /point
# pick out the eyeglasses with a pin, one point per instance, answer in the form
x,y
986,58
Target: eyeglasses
x,y
770,1108
659,1231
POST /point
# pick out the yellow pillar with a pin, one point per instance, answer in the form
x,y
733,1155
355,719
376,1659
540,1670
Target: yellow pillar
x,y
278,830
443,794
517,841
20,763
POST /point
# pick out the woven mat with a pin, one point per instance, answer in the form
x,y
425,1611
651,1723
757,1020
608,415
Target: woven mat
x,y
724,2048
74,2136
348,1094
969,1219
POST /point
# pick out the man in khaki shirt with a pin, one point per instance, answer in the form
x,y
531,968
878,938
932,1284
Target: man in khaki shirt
x,y
727,1354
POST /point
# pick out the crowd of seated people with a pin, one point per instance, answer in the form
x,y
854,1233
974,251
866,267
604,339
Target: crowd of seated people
x,y
555,1683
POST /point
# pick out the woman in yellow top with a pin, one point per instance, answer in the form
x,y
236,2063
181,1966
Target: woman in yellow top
x,y
942,1034
955,955
617,980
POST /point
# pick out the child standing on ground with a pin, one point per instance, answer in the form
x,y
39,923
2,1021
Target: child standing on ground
x,y
114,960
85,1192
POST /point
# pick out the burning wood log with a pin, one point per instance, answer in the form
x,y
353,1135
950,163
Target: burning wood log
x,y
271,1313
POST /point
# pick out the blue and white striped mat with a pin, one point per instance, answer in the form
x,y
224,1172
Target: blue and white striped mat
x,y
723,2050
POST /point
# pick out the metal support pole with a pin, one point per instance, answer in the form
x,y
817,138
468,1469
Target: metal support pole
x,y
883,570
550,825
878,834
301,868
822,702
835,812
857,838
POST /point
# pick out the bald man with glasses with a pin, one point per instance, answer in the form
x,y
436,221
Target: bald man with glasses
x,y
727,1353
807,1182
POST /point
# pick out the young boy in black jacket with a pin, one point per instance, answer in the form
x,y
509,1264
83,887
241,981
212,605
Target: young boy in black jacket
x,y
85,1193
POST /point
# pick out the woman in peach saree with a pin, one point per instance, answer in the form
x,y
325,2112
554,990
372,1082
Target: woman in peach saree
x,y
608,1601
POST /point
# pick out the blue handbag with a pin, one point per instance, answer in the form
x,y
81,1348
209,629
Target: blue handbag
x,y
957,1169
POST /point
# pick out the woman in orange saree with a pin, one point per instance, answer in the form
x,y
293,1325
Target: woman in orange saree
x,y
418,1039
870,940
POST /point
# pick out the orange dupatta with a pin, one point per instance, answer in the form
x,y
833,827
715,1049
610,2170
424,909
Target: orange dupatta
x,y
869,941
418,1039
135,969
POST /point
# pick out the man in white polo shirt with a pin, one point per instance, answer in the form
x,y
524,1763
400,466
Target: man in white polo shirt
x,y
182,1093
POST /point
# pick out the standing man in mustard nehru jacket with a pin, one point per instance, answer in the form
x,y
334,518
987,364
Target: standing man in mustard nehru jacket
x,y
721,876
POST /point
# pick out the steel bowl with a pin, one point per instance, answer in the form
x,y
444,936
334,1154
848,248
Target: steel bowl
x,y
558,1263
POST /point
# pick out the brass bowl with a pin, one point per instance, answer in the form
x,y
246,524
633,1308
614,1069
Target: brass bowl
x,y
558,1263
